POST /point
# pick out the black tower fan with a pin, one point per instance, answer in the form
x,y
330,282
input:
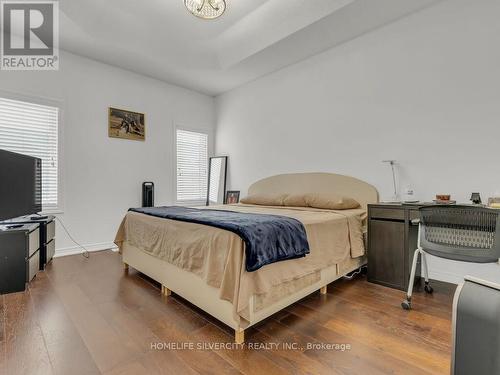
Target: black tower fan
x,y
148,194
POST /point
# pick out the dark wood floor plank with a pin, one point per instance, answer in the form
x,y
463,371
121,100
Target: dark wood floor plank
x,y
3,358
88,316
2,318
127,326
371,304
358,357
130,368
142,315
271,331
421,302
248,361
24,335
133,327
427,333
399,347
147,304
66,349
202,361
106,347
166,362
53,318
71,357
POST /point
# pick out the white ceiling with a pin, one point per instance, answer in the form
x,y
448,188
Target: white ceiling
x,y
161,39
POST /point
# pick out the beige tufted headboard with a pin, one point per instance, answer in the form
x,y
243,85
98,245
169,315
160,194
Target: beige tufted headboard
x,y
298,183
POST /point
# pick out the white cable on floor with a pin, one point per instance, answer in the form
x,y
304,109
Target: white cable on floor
x,y
85,252
354,273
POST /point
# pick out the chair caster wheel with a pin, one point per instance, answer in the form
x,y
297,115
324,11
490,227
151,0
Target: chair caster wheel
x,y
406,305
428,289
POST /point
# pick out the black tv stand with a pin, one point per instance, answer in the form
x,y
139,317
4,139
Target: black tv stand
x,y
47,228
19,250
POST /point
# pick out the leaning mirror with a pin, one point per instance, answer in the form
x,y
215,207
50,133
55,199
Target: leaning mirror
x,y
217,170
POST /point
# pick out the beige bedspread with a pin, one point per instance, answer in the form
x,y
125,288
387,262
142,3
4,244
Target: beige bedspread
x,y
218,255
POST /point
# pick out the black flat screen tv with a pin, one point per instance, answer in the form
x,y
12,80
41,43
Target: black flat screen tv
x,y
20,185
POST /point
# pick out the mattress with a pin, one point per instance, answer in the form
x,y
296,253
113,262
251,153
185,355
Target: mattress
x,y
218,256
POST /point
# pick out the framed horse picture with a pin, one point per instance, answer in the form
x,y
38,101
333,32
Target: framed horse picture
x,y
126,124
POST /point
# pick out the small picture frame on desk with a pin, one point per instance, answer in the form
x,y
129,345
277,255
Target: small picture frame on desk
x,y
232,196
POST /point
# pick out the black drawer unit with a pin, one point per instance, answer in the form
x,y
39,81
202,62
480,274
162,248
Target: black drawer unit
x,y
19,256
47,235
392,239
47,240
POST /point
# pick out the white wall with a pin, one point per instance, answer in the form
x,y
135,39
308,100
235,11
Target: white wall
x,y
424,90
103,176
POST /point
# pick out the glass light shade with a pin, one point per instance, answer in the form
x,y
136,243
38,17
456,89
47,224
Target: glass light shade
x,y
207,9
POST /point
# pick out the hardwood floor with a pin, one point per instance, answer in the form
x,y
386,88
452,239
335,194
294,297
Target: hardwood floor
x,y
88,316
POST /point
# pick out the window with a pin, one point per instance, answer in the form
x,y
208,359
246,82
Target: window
x,y
192,167
31,129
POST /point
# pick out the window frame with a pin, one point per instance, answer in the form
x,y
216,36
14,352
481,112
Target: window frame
x,y
197,129
59,209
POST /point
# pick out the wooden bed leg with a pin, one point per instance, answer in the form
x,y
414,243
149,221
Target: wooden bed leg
x,y
125,266
165,291
239,337
323,289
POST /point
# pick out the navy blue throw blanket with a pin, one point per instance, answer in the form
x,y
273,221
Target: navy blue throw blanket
x,y
268,238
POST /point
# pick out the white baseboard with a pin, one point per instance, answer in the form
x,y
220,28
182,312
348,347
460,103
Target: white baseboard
x,y
72,250
449,277
454,272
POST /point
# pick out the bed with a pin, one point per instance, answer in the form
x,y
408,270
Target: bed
x,y
206,265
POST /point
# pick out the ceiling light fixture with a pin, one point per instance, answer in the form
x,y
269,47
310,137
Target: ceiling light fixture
x,y
206,9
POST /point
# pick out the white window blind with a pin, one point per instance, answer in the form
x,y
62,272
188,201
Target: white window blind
x,y
192,167
31,129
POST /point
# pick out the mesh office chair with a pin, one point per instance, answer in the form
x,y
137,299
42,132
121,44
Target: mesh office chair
x,y
464,233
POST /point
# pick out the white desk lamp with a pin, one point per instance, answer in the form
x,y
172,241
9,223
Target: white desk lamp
x,y
395,197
